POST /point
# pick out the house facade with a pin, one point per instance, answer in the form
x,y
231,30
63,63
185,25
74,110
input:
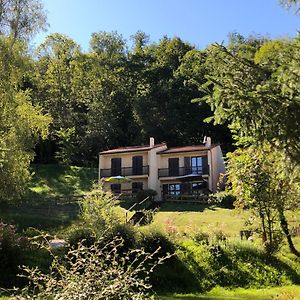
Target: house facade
x,y
179,173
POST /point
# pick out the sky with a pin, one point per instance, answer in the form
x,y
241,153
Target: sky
x,y
199,22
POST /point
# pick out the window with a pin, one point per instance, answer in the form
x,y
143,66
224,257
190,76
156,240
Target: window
x,y
196,165
174,189
116,188
137,186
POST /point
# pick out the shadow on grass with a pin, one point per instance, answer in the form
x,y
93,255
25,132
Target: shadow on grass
x,y
185,207
44,217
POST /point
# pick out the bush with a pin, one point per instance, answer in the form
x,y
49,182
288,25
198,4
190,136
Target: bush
x,y
201,238
32,232
97,211
96,272
143,194
224,199
152,240
123,232
12,254
219,236
81,235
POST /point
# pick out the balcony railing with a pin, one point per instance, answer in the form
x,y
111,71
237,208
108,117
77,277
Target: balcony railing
x,y
126,171
169,172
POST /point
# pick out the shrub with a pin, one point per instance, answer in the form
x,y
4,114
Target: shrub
x,y
143,194
219,236
152,240
224,199
201,238
31,232
81,235
12,254
95,272
123,232
97,210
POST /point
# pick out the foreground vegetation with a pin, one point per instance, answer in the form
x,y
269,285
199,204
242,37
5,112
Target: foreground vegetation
x,y
204,239
279,293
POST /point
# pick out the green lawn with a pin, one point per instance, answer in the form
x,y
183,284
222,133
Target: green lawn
x,y
50,200
278,293
186,218
56,180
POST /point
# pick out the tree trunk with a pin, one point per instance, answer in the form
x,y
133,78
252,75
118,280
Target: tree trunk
x,y
285,229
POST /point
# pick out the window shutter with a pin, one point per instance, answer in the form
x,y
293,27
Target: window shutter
x,y
205,167
115,166
187,166
173,166
137,165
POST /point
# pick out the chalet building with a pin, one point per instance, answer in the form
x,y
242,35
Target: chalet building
x,y
180,173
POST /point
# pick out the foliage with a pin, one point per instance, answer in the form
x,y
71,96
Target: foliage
x,y
21,123
252,86
77,235
152,240
261,180
114,96
12,254
97,211
224,199
291,3
201,237
21,19
143,194
94,272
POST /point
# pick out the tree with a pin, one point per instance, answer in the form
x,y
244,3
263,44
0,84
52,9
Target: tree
x,y
253,84
260,179
59,88
291,3
162,101
21,123
254,88
21,19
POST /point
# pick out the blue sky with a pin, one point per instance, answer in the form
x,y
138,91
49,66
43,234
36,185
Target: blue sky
x,y
199,22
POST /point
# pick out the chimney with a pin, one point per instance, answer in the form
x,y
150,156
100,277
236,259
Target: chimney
x,y
152,143
208,141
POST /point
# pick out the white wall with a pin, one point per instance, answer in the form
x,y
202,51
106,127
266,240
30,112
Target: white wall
x,y
153,159
218,166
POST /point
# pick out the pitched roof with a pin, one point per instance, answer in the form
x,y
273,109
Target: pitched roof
x,y
187,149
131,149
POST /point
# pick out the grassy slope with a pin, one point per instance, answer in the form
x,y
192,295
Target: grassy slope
x,y
194,217
190,218
48,183
56,180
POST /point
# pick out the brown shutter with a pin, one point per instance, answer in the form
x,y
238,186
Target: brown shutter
x,y
205,167
115,166
137,165
173,166
187,166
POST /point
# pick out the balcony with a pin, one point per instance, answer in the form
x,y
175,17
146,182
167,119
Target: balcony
x,y
126,171
168,172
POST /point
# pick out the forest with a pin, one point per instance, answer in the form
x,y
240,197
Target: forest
x,y
60,104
